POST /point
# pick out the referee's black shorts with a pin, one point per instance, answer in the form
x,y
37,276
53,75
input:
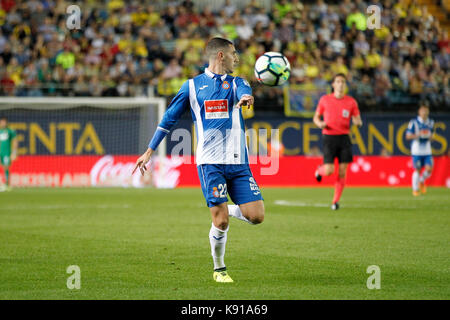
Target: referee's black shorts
x,y
337,146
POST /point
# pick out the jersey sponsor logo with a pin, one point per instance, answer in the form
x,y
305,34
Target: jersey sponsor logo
x,y
425,133
216,109
226,85
345,113
203,87
4,136
253,186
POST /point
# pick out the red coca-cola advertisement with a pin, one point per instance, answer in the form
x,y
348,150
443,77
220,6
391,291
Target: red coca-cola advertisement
x,y
171,172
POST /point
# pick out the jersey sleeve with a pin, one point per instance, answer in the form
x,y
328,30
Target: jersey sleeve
x,y
411,127
176,108
12,133
242,88
320,107
355,109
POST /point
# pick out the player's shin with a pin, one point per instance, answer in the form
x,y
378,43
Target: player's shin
x,y
338,189
415,180
425,175
7,176
218,240
235,211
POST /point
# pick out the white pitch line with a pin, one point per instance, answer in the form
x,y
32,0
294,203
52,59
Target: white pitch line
x,y
299,204
323,205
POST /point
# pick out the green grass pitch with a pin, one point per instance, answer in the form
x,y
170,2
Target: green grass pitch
x,y
153,244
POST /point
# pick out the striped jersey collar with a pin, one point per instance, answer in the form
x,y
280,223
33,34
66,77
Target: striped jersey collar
x,y
212,74
419,119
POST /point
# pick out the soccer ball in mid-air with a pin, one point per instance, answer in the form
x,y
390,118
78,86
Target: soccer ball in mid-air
x,y
272,69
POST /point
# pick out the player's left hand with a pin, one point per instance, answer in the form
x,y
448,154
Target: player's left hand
x,y
142,161
246,100
13,157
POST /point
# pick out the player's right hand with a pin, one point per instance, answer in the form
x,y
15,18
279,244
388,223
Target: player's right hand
x,y
322,125
246,100
142,161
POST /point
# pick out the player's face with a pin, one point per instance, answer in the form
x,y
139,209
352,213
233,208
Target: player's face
x,y
3,123
338,85
424,112
230,59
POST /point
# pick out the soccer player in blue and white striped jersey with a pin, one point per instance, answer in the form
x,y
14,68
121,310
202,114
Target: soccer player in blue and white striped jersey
x,y
420,131
215,99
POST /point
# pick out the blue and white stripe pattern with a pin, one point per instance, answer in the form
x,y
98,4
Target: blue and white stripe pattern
x,y
422,145
218,122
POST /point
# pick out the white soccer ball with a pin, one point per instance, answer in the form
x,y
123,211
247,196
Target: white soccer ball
x,y
272,69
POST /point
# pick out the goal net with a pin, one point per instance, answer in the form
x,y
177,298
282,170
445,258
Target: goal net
x,y
81,141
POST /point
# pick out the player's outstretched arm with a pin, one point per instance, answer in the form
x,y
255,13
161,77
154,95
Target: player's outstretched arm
x,y
143,160
179,104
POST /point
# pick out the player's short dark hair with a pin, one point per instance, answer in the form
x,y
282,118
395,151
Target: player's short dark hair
x,y
339,75
3,118
216,44
424,104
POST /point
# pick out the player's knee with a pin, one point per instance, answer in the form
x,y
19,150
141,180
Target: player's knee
x,y
257,219
329,170
257,216
220,217
221,223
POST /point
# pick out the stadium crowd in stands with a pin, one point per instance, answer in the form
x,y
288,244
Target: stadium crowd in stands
x,y
132,48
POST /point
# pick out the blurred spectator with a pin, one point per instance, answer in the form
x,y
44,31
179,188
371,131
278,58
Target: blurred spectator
x,y
365,92
357,18
282,7
443,58
244,31
361,45
337,45
173,70
381,89
229,8
7,84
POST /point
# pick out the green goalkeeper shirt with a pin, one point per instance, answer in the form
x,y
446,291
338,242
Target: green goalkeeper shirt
x,y
6,137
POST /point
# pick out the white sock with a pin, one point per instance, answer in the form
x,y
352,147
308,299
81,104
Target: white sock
x,y
235,211
218,240
425,175
415,181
